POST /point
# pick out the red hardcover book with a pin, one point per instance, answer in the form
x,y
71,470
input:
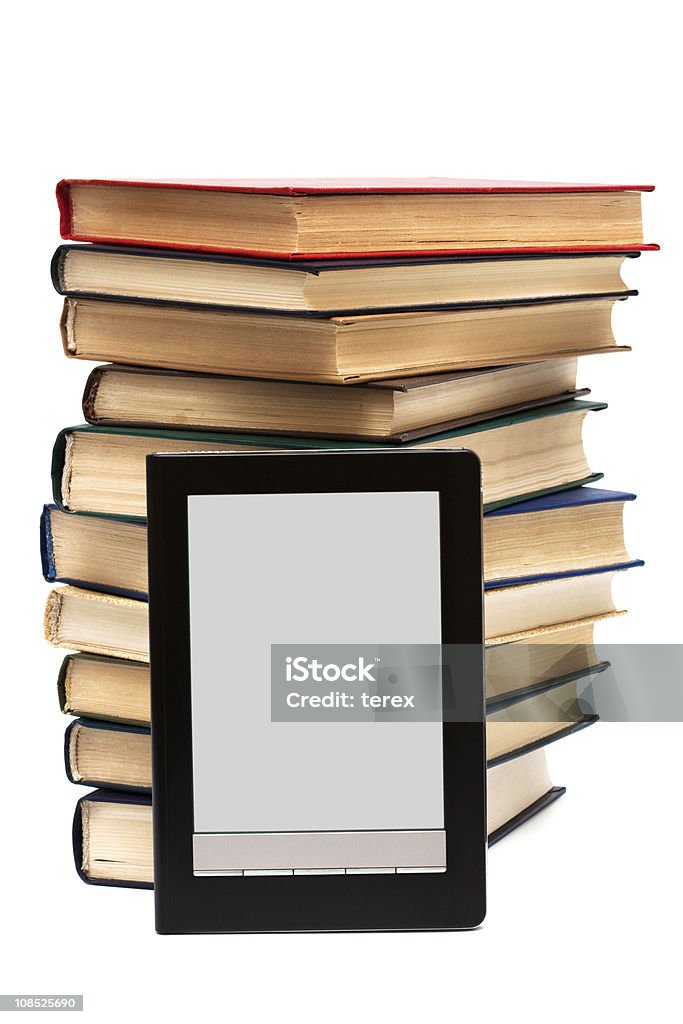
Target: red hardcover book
x,y
336,218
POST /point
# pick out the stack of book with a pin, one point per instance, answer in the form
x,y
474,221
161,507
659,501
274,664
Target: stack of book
x,y
250,315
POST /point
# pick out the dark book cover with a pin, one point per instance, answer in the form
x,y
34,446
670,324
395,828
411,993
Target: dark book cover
x,y
81,656
306,444
529,812
100,796
315,268
50,569
512,697
545,741
93,723
572,498
594,570
566,499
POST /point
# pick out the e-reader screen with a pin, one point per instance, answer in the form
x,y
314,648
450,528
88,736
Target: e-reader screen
x,y
294,572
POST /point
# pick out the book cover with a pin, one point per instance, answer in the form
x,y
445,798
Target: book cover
x,y
305,444
544,741
344,186
315,268
311,187
558,500
108,796
47,556
70,737
529,812
316,393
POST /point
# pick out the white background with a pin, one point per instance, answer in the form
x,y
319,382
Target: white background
x,y
585,902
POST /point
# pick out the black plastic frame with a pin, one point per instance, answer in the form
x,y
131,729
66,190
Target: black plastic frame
x,y
185,903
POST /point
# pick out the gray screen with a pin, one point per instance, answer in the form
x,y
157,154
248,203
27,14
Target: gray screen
x,y
343,568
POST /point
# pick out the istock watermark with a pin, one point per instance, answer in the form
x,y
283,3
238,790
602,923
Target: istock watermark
x,y
300,669
360,682
516,682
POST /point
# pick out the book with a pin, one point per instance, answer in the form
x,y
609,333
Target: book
x,y
526,610
390,410
99,623
347,216
517,790
535,721
112,831
514,670
112,839
112,755
256,316
85,620
113,689
109,689
563,533
334,349
102,469
330,286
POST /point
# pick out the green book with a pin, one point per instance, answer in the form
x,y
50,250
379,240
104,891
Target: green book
x,y
101,470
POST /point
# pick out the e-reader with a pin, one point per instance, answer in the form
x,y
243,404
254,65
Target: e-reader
x,y
311,769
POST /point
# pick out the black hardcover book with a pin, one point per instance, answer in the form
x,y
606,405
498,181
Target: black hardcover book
x,y
108,754
327,287
121,854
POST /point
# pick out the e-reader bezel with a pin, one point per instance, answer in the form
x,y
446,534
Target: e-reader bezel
x,y
186,903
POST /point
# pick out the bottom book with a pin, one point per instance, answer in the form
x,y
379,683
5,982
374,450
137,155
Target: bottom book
x,y
112,831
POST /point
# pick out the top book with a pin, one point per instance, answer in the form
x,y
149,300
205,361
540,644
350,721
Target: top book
x,y
333,218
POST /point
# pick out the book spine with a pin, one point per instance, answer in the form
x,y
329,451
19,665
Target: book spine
x,y
46,549
89,400
63,193
70,753
78,839
57,468
61,683
57,269
68,750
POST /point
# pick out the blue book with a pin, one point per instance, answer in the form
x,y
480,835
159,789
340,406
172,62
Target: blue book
x,y
101,469
571,533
